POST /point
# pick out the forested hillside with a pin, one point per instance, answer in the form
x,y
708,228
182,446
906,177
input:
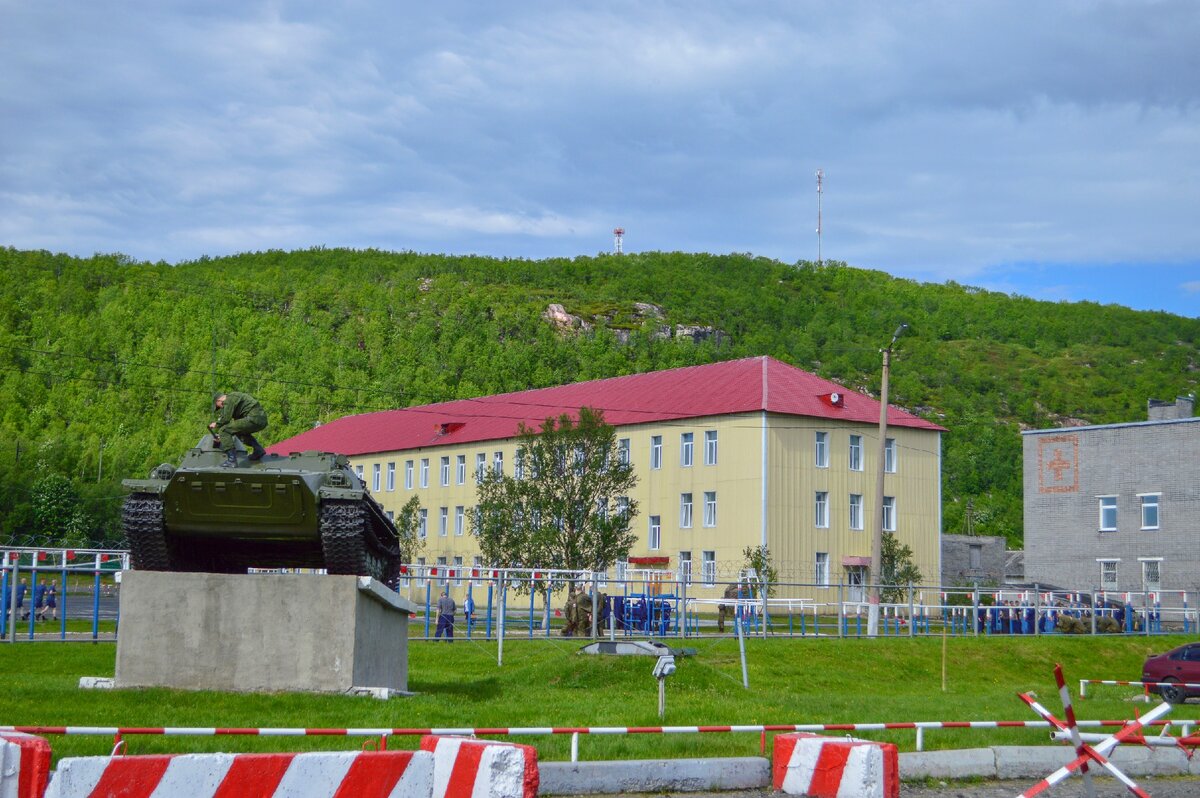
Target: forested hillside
x,y
108,365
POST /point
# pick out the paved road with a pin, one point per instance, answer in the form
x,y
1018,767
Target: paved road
x,y
1177,787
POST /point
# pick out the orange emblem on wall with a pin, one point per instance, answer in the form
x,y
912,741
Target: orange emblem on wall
x,y
1058,464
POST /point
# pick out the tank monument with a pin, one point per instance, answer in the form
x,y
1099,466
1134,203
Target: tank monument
x,y
193,618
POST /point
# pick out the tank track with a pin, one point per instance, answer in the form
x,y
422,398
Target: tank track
x,y
351,545
145,528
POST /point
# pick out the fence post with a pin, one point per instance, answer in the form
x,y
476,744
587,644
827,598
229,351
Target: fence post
x,y
975,611
912,618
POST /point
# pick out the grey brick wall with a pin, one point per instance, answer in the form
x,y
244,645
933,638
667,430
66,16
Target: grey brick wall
x,y
1067,470
956,560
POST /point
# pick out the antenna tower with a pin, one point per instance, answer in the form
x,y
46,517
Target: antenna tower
x,y
618,238
820,177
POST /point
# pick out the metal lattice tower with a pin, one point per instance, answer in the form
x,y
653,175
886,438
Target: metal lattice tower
x,y
618,238
820,177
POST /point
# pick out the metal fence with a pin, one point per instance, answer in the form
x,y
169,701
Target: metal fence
x,y
60,594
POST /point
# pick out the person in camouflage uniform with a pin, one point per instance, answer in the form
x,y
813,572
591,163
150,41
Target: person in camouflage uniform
x,y
732,591
239,415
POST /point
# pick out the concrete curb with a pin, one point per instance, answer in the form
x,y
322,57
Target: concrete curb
x,y
1037,761
654,775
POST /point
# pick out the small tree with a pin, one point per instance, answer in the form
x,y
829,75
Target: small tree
x,y
566,506
899,570
759,558
406,529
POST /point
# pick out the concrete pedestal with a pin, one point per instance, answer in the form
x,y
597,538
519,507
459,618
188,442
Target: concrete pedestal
x,y
261,633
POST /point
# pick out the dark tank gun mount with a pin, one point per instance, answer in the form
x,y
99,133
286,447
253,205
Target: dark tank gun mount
x,y
303,510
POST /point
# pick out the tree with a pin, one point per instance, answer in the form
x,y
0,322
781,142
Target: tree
x,y
899,570
759,558
566,506
406,530
57,511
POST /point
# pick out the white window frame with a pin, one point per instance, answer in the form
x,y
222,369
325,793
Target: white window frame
x,y
710,508
708,568
458,571
623,451
856,511
443,570
408,474
622,506
519,463
422,523
821,509
391,476
889,513
710,447
480,465
685,567
460,515
1149,500
376,477
445,471
498,463
460,470
889,455
654,533
477,566
656,452
1107,504
424,472
856,453
821,450
687,441
358,470
1146,585
685,510
443,522
821,569
1116,574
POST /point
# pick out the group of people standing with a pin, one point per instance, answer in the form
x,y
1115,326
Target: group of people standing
x,y
45,601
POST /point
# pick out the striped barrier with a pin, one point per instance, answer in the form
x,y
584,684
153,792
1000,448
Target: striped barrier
x,y
24,765
466,768
369,774
828,767
1083,683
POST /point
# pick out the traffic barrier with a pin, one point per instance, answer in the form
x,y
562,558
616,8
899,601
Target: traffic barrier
x,y
828,767
466,768
367,774
24,765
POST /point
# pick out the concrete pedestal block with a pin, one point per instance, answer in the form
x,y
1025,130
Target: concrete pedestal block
x,y
261,633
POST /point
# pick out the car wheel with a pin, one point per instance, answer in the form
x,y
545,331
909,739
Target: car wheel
x,y
1172,693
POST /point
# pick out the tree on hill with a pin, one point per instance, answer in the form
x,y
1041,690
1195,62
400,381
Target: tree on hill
x,y
567,503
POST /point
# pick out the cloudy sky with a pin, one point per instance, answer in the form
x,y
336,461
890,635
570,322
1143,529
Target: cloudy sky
x,y
1050,149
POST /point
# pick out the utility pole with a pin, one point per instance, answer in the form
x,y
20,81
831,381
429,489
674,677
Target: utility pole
x,y
877,533
820,177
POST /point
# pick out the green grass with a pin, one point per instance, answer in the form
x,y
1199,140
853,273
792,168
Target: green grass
x,y
545,683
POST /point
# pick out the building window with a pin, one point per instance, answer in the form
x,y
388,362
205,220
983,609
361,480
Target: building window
x,y
821,517
376,476
1152,575
623,506
424,472
420,567
1108,513
821,570
422,522
656,452
519,463
685,567
621,568
460,515
976,555
460,470
358,470
446,471
710,447
856,515
710,508
685,450
441,563
408,474
821,450
856,462
889,455
443,522
889,513
477,565
1150,509
708,568
685,510
498,463
655,533
458,571
391,476
391,515
623,451
1108,574
480,465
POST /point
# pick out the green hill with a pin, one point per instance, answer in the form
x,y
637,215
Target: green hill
x,y
108,365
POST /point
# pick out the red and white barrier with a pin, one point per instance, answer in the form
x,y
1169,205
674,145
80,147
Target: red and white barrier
x,y
24,765
369,774
828,767
466,768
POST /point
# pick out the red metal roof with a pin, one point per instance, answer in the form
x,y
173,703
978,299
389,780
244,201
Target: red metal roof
x,y
735,386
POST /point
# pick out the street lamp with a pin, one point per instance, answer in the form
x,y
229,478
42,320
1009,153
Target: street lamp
x,y
876,574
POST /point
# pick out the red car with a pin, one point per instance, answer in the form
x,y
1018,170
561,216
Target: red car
x,y
1179,665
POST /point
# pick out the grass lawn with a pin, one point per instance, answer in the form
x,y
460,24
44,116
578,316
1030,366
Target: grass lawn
x,y
545,683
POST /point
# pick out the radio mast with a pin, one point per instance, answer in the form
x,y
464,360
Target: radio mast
x,y
820,177
618,238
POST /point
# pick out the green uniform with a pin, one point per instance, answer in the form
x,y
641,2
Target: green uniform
x,y
731,591
240,417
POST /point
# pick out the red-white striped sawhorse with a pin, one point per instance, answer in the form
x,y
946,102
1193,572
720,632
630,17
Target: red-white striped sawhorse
x,y
345,774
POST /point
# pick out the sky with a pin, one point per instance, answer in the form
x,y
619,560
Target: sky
x,y
1045,149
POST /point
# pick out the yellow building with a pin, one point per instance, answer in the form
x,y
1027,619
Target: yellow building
x,y
743,453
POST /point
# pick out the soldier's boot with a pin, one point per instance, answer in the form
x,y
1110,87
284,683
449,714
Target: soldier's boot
x,y
259,451
230,460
